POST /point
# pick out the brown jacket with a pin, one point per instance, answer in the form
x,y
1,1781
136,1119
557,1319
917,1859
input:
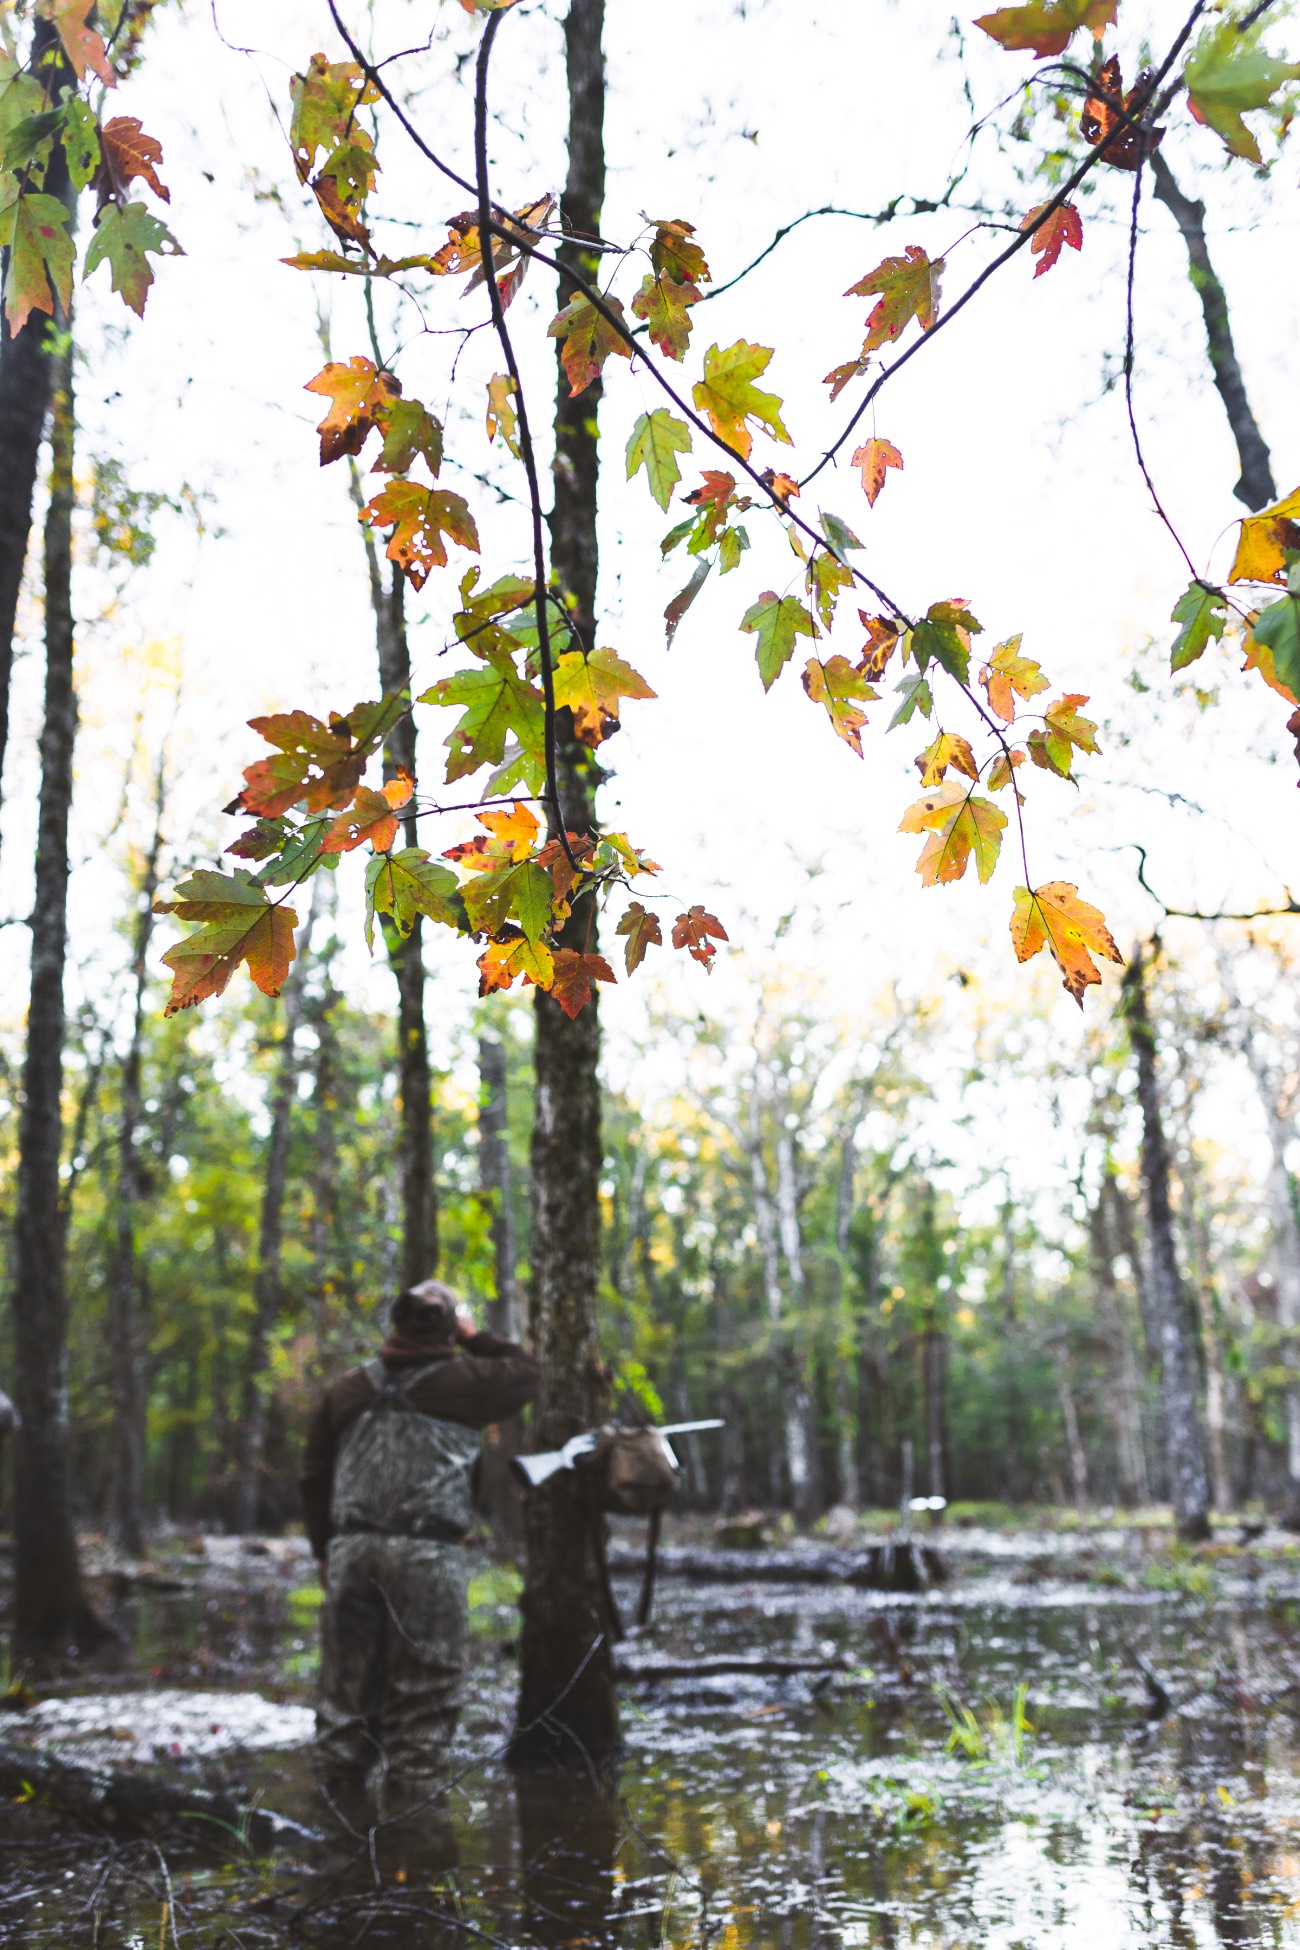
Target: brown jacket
x,y
483,1380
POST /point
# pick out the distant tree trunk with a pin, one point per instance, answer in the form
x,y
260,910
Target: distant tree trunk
x,y
1255,487
419,1254
934,1376
1073,1437
50,1605
792,1405
126,1493
807,1493
267,1292
24,401
1126,1399
1123,1217
1286,1247
1179,1366
567,1703
500,1492
846,1364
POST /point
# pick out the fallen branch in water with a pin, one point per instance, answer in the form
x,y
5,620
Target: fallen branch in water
x,y
124,1803
749,1664
903,1566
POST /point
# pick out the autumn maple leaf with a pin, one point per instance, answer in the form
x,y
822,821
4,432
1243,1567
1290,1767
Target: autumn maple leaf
x,y
1047,26
371,816
237,924
1267,539
1053,917
908,289
41,255
956,824
574,977
127,153
84,48
874,457
357,392
588,340
728,395
641,930
1064,226
420,516
592,687
1007,675
841,690
697,931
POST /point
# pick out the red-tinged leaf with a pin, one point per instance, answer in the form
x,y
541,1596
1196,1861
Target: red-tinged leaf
x,y
127,152
784,486
41,255
236,924
841,690
1007,675
1047,26
697,931
715,487
358,393
841,376
1064,732
728,395
370,817
571,983
419,517
641,930
83,46
313,762
908,289
502,961
956,823
883,636
664,306
874,458
588,340
514,832
1109,115
1064,226
1053,917
673,255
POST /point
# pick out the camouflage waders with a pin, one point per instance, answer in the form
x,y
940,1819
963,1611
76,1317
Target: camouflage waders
x,y
395,1624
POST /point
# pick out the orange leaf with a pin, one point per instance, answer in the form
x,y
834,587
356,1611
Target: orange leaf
x,y
514,831
1064,226
370,817
128,152
357,393
1052,916
641,929
873,459
82,45
692,931
571,984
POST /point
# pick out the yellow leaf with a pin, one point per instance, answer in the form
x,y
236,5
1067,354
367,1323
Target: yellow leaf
x,y
956,824
1052,916
1264,539
948,748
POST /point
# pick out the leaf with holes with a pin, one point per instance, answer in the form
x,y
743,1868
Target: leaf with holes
x,y
1203,613
503,961
664,306
874,457
657,439
956,823
1064,226
325,102
948,748
358,393
776,621
592,687
1267,540
315,763
943,637
1053,917
408,883
83,46
41,253
641,930
126,236
410,431
588,340
906,288
841,691
236,924
698,932
127,153
371,816
1064,732
1007,675
1047,26
419,517
498,703
728,396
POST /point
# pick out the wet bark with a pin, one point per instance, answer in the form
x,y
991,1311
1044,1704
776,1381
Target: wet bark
x,y
126,1491
1126,1399
49,1602
267,1291
1179,1364
500,1492
1286,1245
1255,487
25,366
568,1712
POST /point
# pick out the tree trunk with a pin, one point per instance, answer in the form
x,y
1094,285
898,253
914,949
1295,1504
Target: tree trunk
x,y
934,1375
1188,1477
808,1498
1255,486
24,400
567,1704
1126,1402
1073,1437
791,1405
1286,1246
266,1286
500,1492
126,1494
49,1603
846,1365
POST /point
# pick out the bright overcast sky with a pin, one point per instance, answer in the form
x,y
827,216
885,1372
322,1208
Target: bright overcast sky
x,y
1019,493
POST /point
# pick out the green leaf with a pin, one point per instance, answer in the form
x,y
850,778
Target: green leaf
x,y
1202,613
942,637
728,395
80,141
776,621
498,701
839,536
1227,77
408,883
1278,629
124,236
732,543
31,138
916,697
657,439
41,255
523,893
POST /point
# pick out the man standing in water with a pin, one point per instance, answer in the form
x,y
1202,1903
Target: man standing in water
x,y
387,1497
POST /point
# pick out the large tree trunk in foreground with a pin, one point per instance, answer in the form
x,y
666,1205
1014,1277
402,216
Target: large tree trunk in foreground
x,y
267,1286
500,1491
1179,1366
49,1603
565,1619
24,400
126,1490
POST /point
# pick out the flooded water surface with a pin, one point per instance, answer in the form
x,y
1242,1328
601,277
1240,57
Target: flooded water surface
x,y
994,1763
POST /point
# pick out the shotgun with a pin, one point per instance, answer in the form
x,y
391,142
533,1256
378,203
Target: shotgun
x,y
533,1471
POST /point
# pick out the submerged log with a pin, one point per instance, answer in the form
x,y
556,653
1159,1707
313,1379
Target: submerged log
x,y
907,1566
754,1665
123,1803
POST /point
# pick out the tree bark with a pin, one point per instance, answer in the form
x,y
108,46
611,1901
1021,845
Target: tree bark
x,y
1286,1244
24,401
1126,1402
567,1704
791,1406
500,1492
49,1602
126,1492
846,1365
1255,486
1188,1476
808,1496
267,1284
